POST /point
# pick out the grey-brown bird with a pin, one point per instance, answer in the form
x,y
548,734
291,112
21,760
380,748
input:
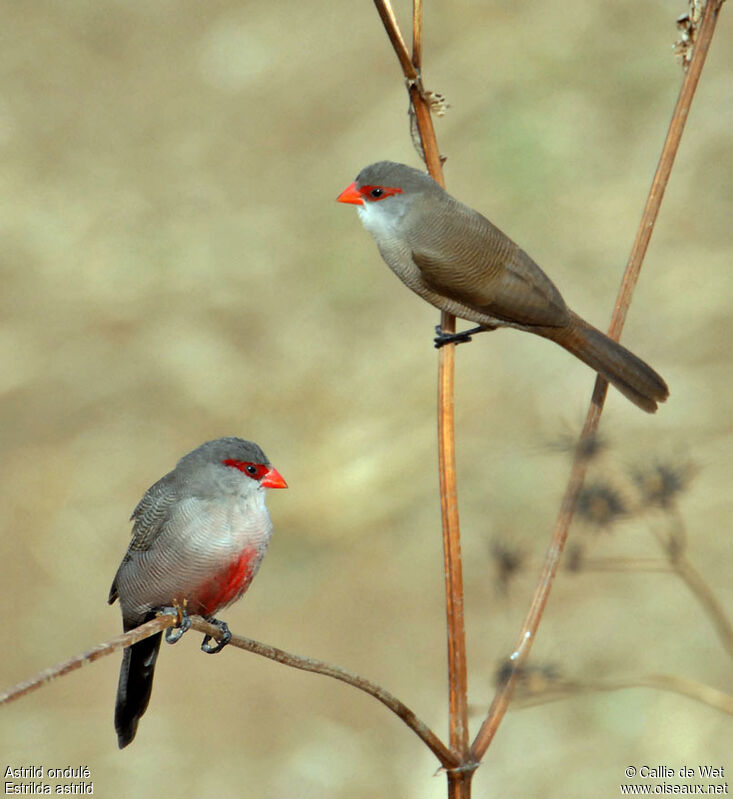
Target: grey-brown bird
x,y
198,538
454,258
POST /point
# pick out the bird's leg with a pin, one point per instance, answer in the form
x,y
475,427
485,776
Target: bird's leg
x,y
226,637
441,338
183,623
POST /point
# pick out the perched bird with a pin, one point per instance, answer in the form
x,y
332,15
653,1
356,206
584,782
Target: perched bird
x,y
454,258
198,538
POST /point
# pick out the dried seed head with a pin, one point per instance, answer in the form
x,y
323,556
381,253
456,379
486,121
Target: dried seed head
x,y
586,448
437,102
574,556
600,504
530,679
508,561
661,483
688,25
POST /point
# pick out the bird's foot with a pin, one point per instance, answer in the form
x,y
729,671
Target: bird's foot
x,y
218,645
441,338
183,623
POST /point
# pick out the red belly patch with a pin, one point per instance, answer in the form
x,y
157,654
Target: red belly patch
x,y
226,586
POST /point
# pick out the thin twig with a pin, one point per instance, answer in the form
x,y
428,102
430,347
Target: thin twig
x,y
684,569
389,20
664,682
674,546
457,671
447,759
59,670
705,595
649,565
664,169
417,34
577,475
680,565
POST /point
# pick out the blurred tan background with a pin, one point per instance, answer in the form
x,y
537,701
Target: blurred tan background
x,y
175,268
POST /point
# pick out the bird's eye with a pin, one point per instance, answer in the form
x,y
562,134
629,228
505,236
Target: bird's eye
x,y
372,193
253,470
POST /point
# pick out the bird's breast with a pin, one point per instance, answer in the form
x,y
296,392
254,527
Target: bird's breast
x,y
224,586
206,555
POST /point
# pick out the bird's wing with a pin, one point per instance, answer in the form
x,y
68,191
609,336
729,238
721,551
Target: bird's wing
x,y
153,511
150,516
485,270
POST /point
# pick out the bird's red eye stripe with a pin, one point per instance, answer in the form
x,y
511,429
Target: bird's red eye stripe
x,y
374,193
254,470
268,476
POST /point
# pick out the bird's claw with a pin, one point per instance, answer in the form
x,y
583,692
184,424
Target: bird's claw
x,y
183,623
226,637
441,338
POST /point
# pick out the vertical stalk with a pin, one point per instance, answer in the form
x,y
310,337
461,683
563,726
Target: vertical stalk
x,y
453,567
459,780
452,546
577,475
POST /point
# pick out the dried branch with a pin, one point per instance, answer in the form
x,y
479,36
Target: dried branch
x,y
674,546
457,671
61,669
646,565
683,568
447,759
389,20
700,692
417,34
501,700
707,598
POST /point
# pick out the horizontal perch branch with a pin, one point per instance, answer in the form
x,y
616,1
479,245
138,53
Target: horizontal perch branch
x,y
444,755
61,669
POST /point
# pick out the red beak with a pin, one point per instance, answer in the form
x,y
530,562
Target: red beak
x,y
273,479
351,195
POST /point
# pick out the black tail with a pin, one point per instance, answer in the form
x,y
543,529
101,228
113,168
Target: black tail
x,y
136,683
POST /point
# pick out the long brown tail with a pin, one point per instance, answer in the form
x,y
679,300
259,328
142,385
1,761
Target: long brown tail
x,y
631,376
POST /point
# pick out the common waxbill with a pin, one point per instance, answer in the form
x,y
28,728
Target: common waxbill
x,y
454,258
198,538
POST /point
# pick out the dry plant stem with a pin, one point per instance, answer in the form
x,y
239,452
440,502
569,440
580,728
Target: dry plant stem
x,y
459,783
674,546
457,669
666,161
648,565
705,595
417,34
389,20
447,759
577,475
682,567
664,682
143,631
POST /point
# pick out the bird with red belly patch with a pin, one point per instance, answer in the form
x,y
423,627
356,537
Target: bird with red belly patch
x,y
198,538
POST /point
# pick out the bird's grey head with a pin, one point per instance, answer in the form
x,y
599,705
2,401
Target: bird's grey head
x,y
221,450
384,179
229,465
384,193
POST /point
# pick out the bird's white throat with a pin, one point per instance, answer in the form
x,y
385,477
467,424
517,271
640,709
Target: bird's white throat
x,y
382,218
